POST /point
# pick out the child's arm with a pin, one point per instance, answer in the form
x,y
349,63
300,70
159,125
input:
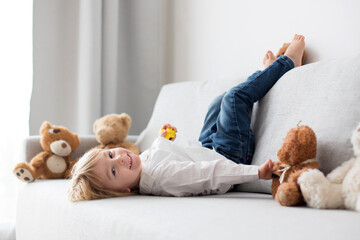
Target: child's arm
x,y
186,178
265,170
168,131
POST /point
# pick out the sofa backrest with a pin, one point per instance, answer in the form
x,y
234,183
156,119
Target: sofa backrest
x,y
323,95
184,105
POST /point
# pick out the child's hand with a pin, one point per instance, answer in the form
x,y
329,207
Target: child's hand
x,y
265,170
163,131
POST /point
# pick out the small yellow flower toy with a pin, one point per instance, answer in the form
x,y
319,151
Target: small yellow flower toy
x,y
170,133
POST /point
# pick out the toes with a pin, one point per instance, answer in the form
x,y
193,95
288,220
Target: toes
x,y
298,37
266,57
271,55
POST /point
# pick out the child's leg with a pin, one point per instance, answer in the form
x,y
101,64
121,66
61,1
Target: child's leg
x,y
211,117
227,124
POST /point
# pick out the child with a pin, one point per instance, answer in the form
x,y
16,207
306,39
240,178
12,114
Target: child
x,y
227,123
171,169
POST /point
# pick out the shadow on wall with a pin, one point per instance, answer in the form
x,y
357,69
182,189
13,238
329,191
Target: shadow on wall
x,y
326,149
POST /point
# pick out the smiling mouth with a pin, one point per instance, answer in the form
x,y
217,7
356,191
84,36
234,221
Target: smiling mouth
x,y
130,162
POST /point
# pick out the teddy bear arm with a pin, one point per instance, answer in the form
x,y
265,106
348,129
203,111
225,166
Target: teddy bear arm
x,y
70,164
39,160
276,168
337,175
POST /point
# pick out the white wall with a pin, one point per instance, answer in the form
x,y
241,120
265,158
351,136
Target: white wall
x,y
221,39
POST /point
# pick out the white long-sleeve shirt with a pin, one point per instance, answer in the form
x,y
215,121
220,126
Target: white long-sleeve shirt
x,y
187,169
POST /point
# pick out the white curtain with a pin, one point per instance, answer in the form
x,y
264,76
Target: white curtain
x,y
97,57
15,90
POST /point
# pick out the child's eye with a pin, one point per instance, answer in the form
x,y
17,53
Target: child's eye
x,y
113,171
110,155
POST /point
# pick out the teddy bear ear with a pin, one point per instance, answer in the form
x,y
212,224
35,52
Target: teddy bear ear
x,y
126,119
45,125
305,134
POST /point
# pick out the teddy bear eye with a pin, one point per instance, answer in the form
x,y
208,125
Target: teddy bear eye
x,y
54,130
110,155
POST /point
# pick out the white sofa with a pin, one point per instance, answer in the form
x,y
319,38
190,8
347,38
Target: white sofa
x,y
324,95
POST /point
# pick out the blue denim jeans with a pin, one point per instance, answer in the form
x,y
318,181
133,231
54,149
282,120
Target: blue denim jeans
x,y
227,123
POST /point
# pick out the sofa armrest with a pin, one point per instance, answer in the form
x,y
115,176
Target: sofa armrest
x,y
33,147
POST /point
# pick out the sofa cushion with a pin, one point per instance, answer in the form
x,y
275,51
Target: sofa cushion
x,y
324,95
44,212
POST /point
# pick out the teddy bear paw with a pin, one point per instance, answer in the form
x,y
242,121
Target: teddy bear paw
x,y
24,175
308,180
289,197
317,190
282,197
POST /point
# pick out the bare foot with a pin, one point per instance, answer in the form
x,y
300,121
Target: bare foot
x,y
269,58
295,50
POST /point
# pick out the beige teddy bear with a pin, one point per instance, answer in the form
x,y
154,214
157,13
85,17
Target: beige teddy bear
x,y
340,188
111,131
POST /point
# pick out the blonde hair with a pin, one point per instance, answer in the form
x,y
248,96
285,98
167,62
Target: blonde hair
x,y
85,185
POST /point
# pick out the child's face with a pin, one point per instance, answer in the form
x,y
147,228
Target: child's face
x,y
118,169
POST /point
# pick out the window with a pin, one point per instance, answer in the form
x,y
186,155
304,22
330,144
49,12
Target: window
x,y
15,91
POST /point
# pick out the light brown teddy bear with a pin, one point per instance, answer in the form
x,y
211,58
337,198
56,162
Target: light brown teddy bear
x,y
58,144
282,51
111,131
297,154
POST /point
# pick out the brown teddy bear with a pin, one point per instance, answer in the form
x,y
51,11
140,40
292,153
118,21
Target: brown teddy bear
x,y
282,51
296,155
111,131
58,144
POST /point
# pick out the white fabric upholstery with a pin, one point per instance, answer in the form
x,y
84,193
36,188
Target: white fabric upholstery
x,y
323,95
45,213
7,230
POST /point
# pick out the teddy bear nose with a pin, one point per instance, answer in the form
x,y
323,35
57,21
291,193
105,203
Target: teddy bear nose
x,y
63,145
